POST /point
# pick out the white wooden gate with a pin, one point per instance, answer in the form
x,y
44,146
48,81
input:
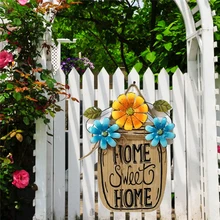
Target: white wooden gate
x,y
192,178
77,184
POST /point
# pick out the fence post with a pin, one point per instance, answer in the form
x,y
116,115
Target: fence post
x,y
41,171
209,114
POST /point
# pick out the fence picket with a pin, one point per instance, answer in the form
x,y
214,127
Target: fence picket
x,y
88,182
133,77
179,149
149,95
59,155
103,103
41,164
74,147
117,89
192,156
164,93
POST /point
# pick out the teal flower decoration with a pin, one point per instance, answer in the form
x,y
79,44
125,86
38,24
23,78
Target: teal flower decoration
x,y
104,133
160,132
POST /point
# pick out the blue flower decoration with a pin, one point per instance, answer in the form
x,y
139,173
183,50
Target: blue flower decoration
x,y
104,133
160,132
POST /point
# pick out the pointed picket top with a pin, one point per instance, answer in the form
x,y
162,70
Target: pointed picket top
x,y
103,89
103,72
133,76
163,83
149,86
74,83
60,76
178,78
74,71
118,82
118,72
163,72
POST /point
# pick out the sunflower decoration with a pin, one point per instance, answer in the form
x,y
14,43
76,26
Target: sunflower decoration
x,y
129,111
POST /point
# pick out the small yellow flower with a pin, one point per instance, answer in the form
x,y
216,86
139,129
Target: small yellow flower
x,y
129,111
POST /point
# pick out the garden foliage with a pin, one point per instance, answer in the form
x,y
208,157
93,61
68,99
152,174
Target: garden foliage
x,y
27,92
125,34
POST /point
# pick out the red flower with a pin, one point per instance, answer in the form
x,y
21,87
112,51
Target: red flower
x,y
20,179
5,58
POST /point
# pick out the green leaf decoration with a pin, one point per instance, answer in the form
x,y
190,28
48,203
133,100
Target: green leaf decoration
x,y
162,106
92,112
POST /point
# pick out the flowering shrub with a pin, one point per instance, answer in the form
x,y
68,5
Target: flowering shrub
x,y
27,93
80,64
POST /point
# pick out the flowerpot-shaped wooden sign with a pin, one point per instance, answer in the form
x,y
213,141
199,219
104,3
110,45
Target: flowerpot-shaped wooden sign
x,y
132,175
132,141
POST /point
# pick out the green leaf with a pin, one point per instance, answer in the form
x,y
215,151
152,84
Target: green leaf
x,y
138,66
161,23
162,106
159,37
2,98
168,46
151,56
92,112
26,120
17,96
6,162
17,21
10,86
3,76
173,69
166,32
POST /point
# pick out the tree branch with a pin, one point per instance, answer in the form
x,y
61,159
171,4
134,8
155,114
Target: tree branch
x,y
153,22
105,48
123,57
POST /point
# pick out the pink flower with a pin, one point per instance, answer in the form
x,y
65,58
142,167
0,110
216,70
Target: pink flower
x,y
22,2
20,179
5,58
218,147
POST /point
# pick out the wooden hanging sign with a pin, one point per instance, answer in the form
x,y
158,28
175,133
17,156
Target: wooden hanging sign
x,y
132,176
132,164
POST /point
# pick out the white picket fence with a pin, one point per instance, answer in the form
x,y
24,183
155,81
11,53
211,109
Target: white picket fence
x,y
69,187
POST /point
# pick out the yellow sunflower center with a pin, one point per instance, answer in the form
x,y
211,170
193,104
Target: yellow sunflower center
x,y
130,111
